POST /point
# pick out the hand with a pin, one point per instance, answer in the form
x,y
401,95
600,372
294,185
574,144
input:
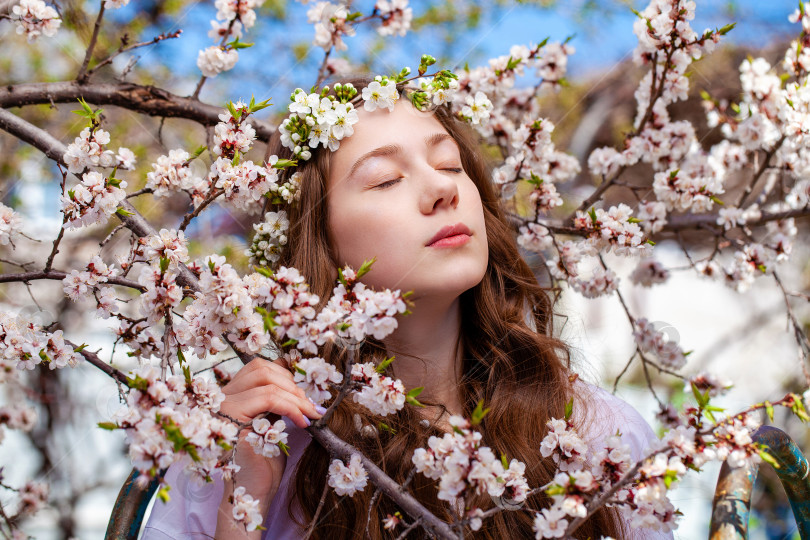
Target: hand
x,y
259,387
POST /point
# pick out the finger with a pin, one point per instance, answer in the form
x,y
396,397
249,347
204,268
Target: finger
x,y
261,374
255,401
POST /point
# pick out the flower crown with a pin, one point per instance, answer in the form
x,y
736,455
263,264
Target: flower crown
x,y
326,117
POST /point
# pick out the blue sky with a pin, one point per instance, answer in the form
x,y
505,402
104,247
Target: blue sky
x,y
601,39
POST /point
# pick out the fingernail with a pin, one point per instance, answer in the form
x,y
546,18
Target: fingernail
x,y
320,409
308,421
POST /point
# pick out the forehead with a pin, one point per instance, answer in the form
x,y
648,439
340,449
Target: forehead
x,y
405,126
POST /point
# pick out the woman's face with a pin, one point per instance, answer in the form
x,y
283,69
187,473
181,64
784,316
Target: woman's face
x,y
397,192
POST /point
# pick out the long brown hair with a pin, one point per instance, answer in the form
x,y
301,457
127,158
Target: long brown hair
x,y
520,373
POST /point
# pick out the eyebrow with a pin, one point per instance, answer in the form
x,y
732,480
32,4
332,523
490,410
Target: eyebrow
x,y
394,149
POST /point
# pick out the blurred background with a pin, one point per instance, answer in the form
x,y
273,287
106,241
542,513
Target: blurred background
x,y
742,337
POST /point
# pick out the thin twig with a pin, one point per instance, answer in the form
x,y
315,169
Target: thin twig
x,y
344,389
58,275
93,358
123,49
314,521
196,212
411,527
83,73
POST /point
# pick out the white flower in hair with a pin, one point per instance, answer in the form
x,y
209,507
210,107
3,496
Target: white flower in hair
x,y
380,94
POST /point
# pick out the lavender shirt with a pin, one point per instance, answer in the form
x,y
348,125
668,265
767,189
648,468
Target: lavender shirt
x,y
191,514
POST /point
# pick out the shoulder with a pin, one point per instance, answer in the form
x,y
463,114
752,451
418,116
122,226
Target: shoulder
x,y
599,414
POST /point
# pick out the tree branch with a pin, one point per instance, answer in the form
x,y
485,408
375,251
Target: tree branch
x,y
82,76
343,450
148,100
93,358
58,276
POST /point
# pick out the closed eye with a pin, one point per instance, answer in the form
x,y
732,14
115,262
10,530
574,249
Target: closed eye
x,y
454,170
387,184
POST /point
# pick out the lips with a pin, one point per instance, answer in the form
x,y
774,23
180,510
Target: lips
x,y
450,231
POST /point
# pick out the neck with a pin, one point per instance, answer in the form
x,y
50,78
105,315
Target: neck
x,y
426,346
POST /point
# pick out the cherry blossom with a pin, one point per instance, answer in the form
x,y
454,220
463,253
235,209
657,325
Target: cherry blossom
x,y
93,200
267,439
347,479
35,18
215,59
10,225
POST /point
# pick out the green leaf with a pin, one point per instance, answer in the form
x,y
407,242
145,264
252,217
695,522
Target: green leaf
x,y
592,213
386,427
410,397
120,211
187,374
80,348
479,413
702,399
163,494
110,426
384,364
263,270
670,477
767,458
253,107
198,152
283,163
365,267
503,461
300,370
569,408
289,343
180,356
726,29
284,448
164,264
769,410
236,44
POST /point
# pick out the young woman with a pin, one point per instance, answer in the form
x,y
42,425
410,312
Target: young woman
x,y
411,189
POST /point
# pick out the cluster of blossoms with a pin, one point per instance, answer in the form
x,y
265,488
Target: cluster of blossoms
x,y
380,394
267,439
173,420
77,285
244,184
582,475
319,119
10,225
223,306
652,340
93,200
649,272
354,312
23,344
33,496
87,150
315,376
331,24
246,509
462,465
170,173
615,229
35,18
270,238
232,133
18,416
232,17
347,479
395,16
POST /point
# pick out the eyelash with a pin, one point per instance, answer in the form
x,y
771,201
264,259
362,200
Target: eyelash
x,y
384,185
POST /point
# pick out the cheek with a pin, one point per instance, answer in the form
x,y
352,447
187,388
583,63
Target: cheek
x,y
360,232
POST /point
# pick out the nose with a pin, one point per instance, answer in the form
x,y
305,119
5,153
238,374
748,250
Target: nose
x,y
438,190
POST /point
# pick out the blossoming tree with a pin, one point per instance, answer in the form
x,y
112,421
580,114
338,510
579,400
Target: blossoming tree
x,y
744,194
